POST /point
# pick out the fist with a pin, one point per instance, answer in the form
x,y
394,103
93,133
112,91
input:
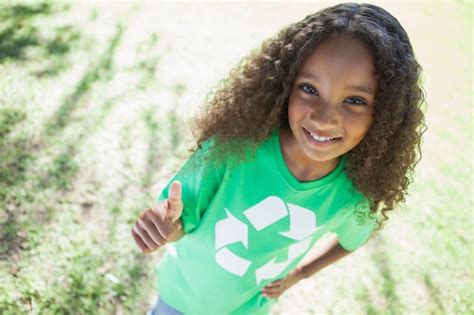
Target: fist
x,y
157,224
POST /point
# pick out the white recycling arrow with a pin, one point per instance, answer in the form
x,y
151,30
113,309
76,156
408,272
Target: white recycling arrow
x,y
230,230
270,270
302,223
299,248
231,262
266,212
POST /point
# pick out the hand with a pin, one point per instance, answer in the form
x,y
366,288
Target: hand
x,y
276,288
155,226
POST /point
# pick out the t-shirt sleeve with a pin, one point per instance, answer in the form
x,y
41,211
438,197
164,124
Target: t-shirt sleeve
x,y
200,178
356,227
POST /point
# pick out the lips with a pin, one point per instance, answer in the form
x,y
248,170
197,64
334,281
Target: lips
x,y
320,144
321,135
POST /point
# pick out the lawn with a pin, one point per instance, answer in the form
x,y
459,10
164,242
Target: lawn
x,y
93,106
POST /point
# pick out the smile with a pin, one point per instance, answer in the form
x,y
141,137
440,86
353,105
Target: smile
x,y
320,141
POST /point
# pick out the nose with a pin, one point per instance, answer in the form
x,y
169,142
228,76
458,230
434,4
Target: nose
x,y
325,114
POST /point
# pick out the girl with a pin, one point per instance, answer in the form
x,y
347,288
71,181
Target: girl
x,y
318,131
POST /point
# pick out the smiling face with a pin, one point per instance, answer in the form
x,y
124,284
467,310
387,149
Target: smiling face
x,y
331,102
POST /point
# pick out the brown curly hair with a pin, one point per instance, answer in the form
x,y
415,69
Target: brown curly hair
x,y
252,101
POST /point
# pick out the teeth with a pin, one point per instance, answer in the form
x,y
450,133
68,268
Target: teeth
x,y
315,137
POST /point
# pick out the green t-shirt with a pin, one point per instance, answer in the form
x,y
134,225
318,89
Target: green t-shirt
x,y
249,225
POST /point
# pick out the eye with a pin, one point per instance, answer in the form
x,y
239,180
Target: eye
x,y
356,101
308,89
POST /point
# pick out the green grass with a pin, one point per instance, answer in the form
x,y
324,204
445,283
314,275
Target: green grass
x,y
93,100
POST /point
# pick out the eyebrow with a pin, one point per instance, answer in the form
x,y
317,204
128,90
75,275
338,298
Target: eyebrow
x,y
360,88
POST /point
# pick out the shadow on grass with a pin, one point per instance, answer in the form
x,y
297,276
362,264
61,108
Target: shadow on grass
x,y
18,153
14,157
147,66
433,293
63,168
55,50
364,296
154,157
390,300
169,127
19,33
101,70
86,290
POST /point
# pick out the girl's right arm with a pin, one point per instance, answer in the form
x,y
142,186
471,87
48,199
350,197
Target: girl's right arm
x,y
200,177
161,223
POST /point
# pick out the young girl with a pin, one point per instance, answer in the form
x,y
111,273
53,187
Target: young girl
x,y
318,131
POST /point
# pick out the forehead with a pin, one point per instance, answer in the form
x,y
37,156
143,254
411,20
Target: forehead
x,y
341,56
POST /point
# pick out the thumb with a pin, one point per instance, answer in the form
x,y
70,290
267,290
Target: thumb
x,y
175,203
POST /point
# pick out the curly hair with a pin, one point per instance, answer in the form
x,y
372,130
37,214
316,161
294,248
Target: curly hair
x,y
247,105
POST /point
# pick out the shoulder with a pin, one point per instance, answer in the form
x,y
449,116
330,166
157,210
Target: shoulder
x,y
357,204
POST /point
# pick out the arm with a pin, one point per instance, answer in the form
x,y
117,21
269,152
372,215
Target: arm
x,y
180,207
350,233
330,253
161,223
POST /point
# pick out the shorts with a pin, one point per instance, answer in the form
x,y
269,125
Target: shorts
x,y
162,308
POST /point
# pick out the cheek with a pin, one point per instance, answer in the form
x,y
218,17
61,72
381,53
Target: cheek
x,y
296,110
358,126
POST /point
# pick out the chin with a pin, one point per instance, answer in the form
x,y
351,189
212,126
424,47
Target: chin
x,y
321,157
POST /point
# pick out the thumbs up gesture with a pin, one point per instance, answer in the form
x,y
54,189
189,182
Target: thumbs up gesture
x,y
160,223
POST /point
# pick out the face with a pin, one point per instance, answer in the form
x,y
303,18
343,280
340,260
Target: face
x,y
331,102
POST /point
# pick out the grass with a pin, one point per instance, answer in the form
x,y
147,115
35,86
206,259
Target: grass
x,y
93,100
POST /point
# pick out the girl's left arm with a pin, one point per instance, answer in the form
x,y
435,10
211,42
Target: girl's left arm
x,y
330,253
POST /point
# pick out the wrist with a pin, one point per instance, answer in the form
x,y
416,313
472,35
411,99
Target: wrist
x,y
300,273
179,233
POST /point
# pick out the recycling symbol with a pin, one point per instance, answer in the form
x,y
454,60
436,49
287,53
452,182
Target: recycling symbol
x,y
262,215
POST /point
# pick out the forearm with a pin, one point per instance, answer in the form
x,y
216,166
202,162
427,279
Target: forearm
x,y
322,258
